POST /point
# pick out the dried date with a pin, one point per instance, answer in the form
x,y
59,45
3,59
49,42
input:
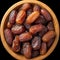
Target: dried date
x,y
27,50
8,36
17,29
25,37
36,43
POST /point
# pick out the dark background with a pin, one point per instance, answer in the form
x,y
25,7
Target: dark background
x,y
53,4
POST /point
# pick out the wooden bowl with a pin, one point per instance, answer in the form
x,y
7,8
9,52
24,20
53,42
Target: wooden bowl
x,y
4,20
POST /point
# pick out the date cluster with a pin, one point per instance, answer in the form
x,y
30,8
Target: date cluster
x,y
30,30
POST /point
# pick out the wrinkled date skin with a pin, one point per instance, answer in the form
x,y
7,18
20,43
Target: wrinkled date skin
x,y
48,36
50,43
12,17
27,50
18,29
35,53
16,44
8,36
45,30
20,17
43,48
32,17
25,37
36,43
41,20
36,8
46,14
50,26
36,28
25,6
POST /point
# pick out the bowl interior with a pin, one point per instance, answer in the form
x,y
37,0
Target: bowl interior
x,y
3,25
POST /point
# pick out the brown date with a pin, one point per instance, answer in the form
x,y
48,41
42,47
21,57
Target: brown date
x,y
27,50
46,14
36,28
41,20
48,36
8,36
20,17
25,6
32,17
45,30
17,29
16,44
25,37
36,43
43,48
12,17
50,42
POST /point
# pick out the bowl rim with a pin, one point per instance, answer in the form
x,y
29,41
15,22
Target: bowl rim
x,y
56,25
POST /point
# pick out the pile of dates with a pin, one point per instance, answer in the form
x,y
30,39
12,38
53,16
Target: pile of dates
x,y
30,30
